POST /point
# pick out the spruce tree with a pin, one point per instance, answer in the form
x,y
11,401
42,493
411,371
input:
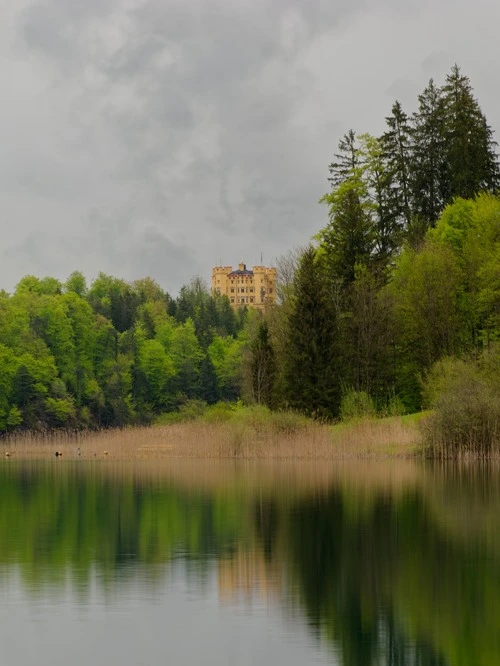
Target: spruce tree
x,y
387,227
347,160
472,161
311,382
430,173
396,143
262,366
349,237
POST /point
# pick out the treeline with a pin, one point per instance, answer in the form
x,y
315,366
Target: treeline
x,y
378,338
112,354
406,272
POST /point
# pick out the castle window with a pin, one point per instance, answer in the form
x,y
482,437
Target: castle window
x,y
232,290
232,299
242,300
251,299
251,290
242,290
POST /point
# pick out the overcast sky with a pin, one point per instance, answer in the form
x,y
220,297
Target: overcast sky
x,y
159,137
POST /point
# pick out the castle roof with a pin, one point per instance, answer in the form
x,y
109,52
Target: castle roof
x,y
241,272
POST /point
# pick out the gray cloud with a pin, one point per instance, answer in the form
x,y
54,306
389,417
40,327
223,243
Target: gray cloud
x,y
159,136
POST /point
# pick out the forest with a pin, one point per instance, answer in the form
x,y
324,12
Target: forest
x,y
393,305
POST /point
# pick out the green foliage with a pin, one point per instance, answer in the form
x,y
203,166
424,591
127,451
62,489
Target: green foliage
x,y
47,286
473,164
429,168
465,398
59,411
395,406
396,145
310,377
426,291
112,354
191,410
226,356
355,405
221,412
114,299
186,355
158,368
77,284
455,223
348,240
262,365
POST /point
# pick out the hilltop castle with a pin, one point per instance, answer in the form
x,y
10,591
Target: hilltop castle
x,y
251,288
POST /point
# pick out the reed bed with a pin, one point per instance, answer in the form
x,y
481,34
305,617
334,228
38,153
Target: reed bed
x,y
247,439
371,437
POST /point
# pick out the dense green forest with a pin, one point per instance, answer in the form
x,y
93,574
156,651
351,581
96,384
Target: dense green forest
x,y
113,354
405,273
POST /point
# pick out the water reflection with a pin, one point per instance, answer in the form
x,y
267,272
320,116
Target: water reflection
x,y
380,564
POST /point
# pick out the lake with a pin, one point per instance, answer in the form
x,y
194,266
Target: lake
x,y
196,562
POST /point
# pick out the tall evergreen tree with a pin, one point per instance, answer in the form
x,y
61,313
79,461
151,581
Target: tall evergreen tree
x,y
430,173
262,366
311,383
473,163
387,227
208,380
347,160
396,143
349,237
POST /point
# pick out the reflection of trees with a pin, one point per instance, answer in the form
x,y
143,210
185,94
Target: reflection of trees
x,y
348,565
76,519
412,578
392,578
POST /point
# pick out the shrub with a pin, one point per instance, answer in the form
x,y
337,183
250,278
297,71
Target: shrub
x,y
191,410
289,422
355,405
396,407
219,413
465,399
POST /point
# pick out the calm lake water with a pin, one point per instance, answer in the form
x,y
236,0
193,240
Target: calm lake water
x,y
222,563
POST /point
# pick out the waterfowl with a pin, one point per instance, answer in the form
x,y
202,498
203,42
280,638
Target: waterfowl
x,y
58,454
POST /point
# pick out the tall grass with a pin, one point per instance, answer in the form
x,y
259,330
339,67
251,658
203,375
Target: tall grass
x,y
246,433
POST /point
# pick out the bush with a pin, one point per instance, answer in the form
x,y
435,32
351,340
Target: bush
x,y
220,412
288,423
189,411
396,407
465,399
255,418
355,405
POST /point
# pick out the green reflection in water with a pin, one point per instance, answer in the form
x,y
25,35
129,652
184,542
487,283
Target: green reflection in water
x,y
388,573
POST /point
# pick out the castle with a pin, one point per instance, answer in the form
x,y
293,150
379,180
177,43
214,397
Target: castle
x,y
251,288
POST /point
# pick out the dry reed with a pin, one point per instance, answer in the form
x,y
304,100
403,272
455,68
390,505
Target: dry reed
x,y
370,438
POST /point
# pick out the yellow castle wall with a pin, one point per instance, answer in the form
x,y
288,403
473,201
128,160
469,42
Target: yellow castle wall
x,y
254,289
